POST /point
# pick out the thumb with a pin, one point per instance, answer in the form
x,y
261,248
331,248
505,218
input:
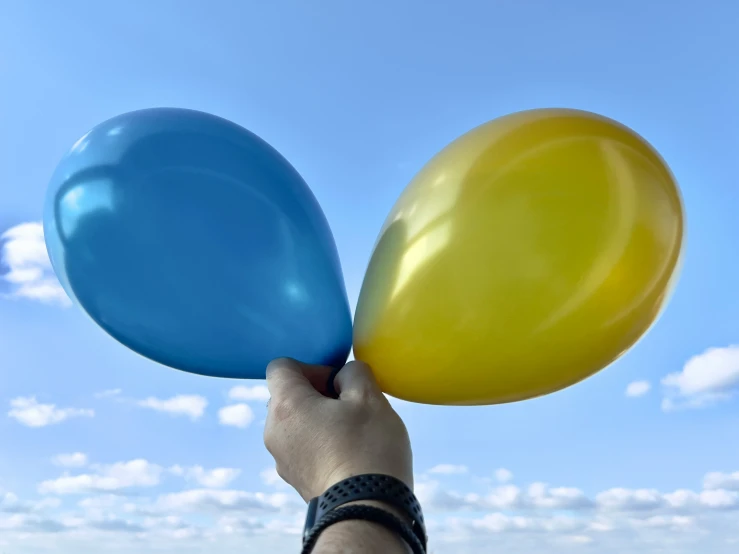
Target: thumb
x,y
287,377
356,380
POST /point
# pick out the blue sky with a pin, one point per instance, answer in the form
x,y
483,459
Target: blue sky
x,y
358,98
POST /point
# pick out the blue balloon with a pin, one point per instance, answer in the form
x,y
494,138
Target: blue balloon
x,y
196,244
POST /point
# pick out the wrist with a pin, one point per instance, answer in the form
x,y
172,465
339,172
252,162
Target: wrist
x,y
368,535
373,493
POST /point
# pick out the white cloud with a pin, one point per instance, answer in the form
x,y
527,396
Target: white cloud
x,y
213,478
237,415
717,495
448,469
719,498
108,393
501,523
115,477
502,498
99,503
706,379
29,270
11,504
637,388
210,500
27,411
558,498
257,393
239,525
620,499
503,475
578,539
717,480
714,499
536,518
192,406
271,478
435,498
76,459
672,523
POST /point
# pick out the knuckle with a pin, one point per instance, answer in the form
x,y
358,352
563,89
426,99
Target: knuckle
x,y
270,440
368,396
281,472
365,399
362,412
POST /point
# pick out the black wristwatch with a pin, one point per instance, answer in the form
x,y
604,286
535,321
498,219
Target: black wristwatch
x,y
380,488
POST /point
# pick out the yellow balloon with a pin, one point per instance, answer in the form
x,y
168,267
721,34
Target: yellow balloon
x,y
526,256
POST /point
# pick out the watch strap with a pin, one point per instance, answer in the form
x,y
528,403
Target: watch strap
x,y
377,487
363,513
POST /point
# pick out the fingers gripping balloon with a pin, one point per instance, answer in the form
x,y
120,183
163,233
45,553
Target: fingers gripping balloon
x,y
194,243
524,257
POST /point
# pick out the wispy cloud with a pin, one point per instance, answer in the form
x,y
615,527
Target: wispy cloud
x,y
106,478
192,406
271,478
210,500
29,272
448,469
706,379
29,412
257,393
539,517
76,459
637,389
108,393
236,415
502,475
213,478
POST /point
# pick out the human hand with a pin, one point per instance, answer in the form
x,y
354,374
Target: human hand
x,y
317,441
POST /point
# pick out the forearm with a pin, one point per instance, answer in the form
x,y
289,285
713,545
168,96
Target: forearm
x,y
361,537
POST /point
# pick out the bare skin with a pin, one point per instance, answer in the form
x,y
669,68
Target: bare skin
x,y
318,441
